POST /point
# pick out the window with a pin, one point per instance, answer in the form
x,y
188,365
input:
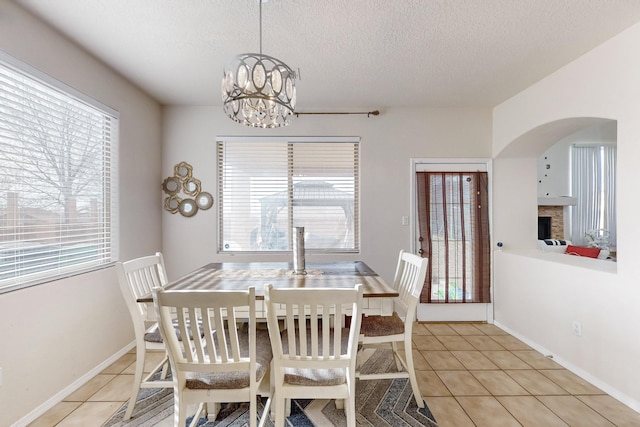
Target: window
x,y
593,182
57,195
268,186
453,222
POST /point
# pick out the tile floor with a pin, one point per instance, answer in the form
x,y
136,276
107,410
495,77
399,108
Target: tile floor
x,y
470,375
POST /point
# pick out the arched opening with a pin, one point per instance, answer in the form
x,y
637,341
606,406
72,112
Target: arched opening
x,y
575,197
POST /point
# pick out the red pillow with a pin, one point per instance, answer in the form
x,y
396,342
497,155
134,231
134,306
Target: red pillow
x,y
582,251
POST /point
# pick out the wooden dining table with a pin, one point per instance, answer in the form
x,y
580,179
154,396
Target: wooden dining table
x,y
377,293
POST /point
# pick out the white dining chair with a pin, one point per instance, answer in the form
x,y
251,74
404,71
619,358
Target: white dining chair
x,y
396,330
138,277
216,353
314,356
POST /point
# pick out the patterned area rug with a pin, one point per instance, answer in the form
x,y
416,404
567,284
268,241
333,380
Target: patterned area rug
x,y
378,403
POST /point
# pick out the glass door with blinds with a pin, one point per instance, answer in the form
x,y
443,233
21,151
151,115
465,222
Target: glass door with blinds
x,y
452,230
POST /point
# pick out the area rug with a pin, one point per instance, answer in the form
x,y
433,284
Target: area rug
x,y
378,403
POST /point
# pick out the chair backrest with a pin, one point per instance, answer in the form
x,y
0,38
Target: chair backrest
x,y
409,279
203,331
138,277
313,318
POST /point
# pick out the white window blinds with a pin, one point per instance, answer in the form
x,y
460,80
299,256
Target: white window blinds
x,y
267,187
57,195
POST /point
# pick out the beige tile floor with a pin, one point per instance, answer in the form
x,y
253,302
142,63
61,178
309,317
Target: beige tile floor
x,y
469,374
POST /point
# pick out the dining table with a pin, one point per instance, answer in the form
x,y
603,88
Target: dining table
x,y
377,293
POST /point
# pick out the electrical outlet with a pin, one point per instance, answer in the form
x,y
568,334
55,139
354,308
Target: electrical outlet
x,y
405,220
0,377
576,327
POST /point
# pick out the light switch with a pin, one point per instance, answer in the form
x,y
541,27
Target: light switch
x,y
405,220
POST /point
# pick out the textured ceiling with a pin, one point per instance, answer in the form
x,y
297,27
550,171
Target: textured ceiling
x,y
351,54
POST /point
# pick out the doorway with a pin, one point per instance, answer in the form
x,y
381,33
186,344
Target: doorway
x,y
449,229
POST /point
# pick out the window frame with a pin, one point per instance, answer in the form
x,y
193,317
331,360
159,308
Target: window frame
x,y
109,218
295,140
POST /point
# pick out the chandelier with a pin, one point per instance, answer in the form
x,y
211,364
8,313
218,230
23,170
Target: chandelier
x,y
259,90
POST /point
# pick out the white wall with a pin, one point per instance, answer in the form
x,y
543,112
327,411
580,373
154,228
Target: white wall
x,y
53,334
553,170
554,181
538,297
388,143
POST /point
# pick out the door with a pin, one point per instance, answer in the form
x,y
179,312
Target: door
x,y
452,230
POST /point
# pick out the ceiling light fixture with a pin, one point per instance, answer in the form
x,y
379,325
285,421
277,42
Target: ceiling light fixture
x,y
259,90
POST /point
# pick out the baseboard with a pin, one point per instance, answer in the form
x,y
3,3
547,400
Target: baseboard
x,y
467,312
59,397
611,391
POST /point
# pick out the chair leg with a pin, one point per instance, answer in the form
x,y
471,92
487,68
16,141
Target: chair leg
x,y
350,401
212,409
253,411
280,411
359,357
408,354
179,418
350,411
137,379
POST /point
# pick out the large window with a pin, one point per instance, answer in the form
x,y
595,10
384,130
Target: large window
x,y
593,183
57,199
268,186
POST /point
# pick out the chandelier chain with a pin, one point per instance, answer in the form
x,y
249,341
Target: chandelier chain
x,y
260,1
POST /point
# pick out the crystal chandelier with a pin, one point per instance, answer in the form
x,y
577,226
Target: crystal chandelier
x,y
259,90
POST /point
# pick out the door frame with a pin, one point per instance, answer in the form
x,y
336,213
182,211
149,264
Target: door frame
x,y
462,312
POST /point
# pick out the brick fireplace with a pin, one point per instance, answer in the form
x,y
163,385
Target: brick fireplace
x,y
556,213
